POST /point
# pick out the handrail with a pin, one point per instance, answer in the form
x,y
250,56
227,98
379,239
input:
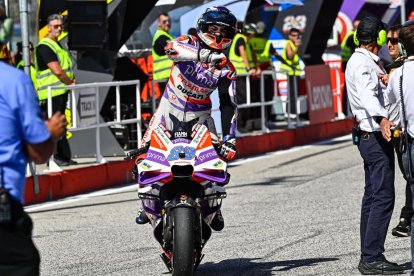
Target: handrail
x,y
96,85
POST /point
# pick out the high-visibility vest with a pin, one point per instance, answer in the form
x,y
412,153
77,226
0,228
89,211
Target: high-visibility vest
x,y
346,52
20,65
293,63
162,64
237,61
46,77
261,46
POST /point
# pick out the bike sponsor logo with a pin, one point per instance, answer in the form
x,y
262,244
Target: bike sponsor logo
x,y
158,141
162,135
197,139
155,156
207,156
145,165
180,134
218,164
203,141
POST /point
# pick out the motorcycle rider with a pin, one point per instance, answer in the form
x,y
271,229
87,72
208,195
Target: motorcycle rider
x,y
200,67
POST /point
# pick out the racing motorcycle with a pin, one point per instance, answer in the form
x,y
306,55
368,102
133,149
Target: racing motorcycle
x,y
181,184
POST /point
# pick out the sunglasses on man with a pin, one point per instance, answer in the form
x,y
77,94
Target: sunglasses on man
x,y
57,26
165,22
392,40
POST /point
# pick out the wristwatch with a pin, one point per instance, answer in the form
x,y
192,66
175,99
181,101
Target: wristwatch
x,y
378,119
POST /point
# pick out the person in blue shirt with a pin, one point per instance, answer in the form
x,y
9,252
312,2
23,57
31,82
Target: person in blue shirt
x,y
24,136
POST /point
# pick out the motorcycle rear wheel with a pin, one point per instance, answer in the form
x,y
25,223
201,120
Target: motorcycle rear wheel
x,y
183,242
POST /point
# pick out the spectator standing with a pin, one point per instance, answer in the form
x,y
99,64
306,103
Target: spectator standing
x,y
366,95
403,229
24,136
54,68
6,32
291,56
401,86
244,60
18,59
162,64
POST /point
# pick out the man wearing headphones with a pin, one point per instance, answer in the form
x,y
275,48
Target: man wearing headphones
x,y
400,87
365,83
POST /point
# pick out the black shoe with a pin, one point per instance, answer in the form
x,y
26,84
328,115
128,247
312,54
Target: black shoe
x,y
403,229
379,267
217,224
72,162
142,217
60,162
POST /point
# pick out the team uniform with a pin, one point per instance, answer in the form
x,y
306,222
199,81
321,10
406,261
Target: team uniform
x,y
191,82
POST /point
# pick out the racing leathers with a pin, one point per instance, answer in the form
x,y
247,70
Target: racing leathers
x,y
196,73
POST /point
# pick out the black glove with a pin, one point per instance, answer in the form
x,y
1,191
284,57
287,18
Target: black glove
x,y
228,149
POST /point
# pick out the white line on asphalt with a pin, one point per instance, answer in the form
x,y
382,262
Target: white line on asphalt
x,y
294,149
37,207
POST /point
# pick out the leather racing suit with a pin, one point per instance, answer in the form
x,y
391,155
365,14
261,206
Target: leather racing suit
x,y
191,82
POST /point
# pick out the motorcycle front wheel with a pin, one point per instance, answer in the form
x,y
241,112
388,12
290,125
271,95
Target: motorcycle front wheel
x,y
183,242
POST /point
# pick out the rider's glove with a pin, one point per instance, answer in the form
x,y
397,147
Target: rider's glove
x,y
218,59
228,149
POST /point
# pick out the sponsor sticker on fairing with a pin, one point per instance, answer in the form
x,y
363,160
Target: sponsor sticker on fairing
x,y
180,134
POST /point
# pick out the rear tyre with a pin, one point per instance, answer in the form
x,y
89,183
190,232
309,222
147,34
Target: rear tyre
x,y
183,242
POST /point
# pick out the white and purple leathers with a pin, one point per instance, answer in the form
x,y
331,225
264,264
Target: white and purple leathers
x,y
191,82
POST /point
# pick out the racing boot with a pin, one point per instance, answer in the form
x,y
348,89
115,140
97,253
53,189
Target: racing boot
x,y
217,224
142,217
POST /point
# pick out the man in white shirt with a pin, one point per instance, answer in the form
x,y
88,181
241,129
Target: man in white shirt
x,y
403,75
365,82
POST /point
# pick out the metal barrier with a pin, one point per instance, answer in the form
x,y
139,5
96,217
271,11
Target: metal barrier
x,y
262,104
249,104
97,125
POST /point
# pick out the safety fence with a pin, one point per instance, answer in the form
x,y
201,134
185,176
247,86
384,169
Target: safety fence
x,y
84,106
83,118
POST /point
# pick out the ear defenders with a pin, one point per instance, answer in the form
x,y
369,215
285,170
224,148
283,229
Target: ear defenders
x,y
6,30
379,33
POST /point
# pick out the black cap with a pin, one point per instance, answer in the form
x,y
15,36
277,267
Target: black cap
x,y
368,29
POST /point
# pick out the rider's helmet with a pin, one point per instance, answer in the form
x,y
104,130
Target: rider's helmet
x,y
221,17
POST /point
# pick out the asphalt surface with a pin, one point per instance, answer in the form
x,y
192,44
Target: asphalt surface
x,y
293,212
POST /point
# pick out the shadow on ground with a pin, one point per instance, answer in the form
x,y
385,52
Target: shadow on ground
x,y
248,266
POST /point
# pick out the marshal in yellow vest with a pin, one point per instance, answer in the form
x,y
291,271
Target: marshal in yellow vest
x,y
162,64
46,77
238,60
292,63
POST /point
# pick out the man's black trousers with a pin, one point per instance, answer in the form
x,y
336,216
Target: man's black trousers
x,y
59,103
18,254
379,194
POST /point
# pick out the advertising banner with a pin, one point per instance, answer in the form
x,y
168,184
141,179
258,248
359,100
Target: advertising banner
x,y
318,85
